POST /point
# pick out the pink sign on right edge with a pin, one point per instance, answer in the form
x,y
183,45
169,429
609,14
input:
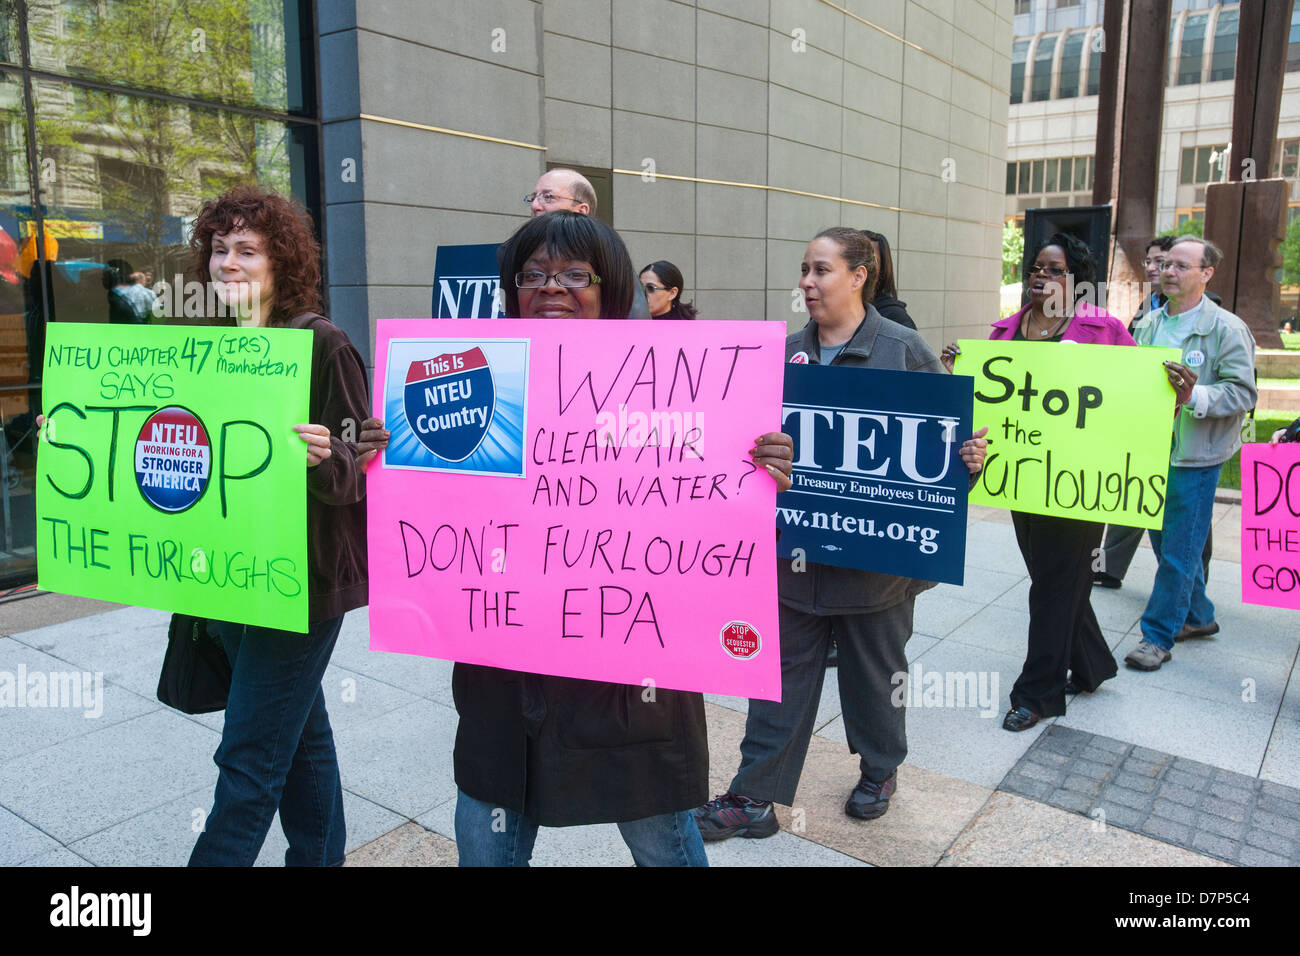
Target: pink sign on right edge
x,y
1270,525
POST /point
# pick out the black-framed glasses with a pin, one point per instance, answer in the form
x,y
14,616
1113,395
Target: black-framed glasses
x,y
1046,270
568,279
547,197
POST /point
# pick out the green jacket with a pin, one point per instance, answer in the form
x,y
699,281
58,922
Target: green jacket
x,y
1221,351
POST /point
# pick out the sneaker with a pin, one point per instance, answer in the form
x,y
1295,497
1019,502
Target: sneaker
x,y
1147,657
733,815
870,800
1205,630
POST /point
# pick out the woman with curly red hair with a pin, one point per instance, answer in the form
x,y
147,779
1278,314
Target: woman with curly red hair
x,y
258,251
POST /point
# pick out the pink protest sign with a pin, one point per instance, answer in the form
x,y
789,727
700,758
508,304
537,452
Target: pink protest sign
x,y
1270,525
576,498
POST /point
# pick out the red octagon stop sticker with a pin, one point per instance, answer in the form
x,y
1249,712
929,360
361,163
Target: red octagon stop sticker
x,y
740,640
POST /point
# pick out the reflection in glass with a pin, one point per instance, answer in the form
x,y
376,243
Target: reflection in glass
x,y
22,335
227,51
123,175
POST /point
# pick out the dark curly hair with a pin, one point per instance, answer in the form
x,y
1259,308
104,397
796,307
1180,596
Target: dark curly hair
x,y
290,243
571,235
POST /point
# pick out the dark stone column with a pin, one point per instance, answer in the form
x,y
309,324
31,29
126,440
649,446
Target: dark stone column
x,y
1246,217
1130,112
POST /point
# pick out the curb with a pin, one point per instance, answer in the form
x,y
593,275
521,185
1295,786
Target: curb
x,y
1227,496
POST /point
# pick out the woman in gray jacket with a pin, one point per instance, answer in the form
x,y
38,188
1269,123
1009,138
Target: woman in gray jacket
x,y
869,612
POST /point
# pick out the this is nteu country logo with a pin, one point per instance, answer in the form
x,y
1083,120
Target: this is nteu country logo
x,y
449,401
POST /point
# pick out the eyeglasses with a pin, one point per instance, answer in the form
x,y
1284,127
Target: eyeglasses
x,y
1180,266
651,288
1047,271
568,279
1154,263
547,198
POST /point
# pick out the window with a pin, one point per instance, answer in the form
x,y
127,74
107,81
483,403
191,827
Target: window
x,y
1094,64
1067,172
1288,157
1041,85
1035,177
1189,60
1049,184
1293,46
1202,164
1083,173
1223,61
1038,176
1071,61
1024,178
1022,6
1011,179
1019,50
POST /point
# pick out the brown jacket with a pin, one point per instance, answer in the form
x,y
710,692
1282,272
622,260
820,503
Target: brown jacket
x,y
336,488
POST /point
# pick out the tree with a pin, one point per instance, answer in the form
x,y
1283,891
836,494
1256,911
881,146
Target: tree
x,y
1013,251
1290,248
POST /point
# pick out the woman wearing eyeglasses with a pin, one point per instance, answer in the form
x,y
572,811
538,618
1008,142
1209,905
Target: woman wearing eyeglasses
x,y
1067,652
534,750
662,282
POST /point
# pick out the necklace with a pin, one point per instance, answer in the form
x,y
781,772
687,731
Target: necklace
x,y
1044,333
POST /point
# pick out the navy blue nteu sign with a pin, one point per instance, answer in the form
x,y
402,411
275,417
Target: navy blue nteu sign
x,y
466,283
879,483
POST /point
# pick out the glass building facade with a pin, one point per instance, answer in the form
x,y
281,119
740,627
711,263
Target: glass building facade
x,y
117,119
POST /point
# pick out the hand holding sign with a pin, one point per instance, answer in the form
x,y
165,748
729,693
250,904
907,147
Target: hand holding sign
x,y
317,438
1182,379
775,452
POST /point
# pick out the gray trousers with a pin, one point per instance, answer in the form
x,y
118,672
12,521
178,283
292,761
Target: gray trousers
x,y
1122,543
871,651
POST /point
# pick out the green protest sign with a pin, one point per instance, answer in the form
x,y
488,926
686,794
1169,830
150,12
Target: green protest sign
x,y
169,475
1076,431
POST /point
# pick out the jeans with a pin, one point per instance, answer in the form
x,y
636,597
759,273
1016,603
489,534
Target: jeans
x,y
276,751
1178,595
495,836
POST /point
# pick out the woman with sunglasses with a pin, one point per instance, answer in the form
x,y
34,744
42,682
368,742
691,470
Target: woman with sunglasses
x,y
1067,652
663,283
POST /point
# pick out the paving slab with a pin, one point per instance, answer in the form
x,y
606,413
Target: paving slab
x,y
88,783
1282,759
984,584
1013,831
401,760
99,702
20,841
1001,630
927,813
126,645
939,615
1208,668
1225,735
958,741
425,677
60,857
991,545
42,610
408,845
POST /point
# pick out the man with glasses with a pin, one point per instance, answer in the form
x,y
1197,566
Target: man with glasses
x,y
1122,543
562,188
1215,386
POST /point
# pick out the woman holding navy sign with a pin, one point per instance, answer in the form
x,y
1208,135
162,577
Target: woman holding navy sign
x,y
534,750
869,613
277,748
1067,652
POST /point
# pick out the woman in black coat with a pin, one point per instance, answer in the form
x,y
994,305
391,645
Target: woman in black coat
x,y
886,300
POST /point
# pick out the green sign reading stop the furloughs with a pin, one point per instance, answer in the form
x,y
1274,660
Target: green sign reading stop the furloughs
x,y
169,474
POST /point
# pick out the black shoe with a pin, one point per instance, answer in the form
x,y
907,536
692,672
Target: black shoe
x,y
1203,631
870,800
731,815
1072,688
1018,719
1100,579
833,658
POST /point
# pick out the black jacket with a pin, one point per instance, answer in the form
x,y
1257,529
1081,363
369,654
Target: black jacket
x,y
894,309
822,588
566,752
